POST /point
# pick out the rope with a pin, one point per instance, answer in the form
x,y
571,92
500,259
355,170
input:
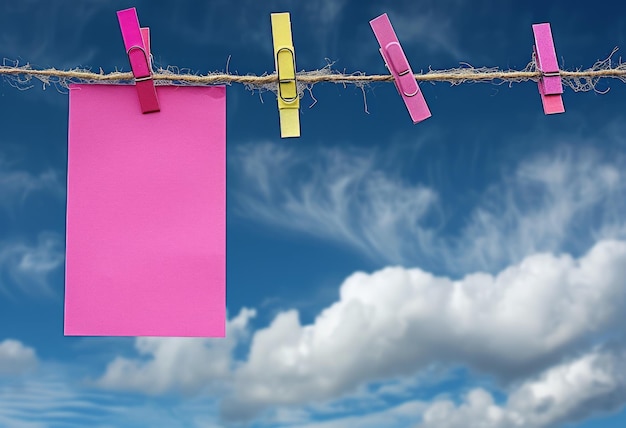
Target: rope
x,y
579,80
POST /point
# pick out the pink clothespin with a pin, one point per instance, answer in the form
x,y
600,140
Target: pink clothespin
x,y
145,36
399,67
138,50
550,85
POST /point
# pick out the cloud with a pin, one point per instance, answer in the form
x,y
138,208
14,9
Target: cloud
x,y
54,400
577,389
526,327
572,391
399,321
27,266
52,397
17,185
16,358
338,195
563,200
432,30
400,416
550,202
187,365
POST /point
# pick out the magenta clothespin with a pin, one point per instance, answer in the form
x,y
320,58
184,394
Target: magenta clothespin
x,y
550,85
138,50
399,67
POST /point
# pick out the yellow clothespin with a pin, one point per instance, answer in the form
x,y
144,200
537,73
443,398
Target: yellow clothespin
x,y
285,59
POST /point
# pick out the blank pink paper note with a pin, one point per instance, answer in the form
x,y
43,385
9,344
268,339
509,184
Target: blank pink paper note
x,y
146,213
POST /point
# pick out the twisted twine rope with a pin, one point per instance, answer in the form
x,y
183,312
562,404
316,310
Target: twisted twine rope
x,y
579,80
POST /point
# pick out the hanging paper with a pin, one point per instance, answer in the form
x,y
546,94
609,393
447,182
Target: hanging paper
x,y
146,213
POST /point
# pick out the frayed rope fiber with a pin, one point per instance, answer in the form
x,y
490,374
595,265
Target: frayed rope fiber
x,y
579,80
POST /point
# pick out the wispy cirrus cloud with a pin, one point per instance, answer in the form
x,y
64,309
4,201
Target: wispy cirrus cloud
x,y
17,185
556,201
26,266
41,393
338,195
54,398
562,200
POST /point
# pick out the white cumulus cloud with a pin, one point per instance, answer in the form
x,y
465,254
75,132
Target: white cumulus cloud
x,y
574,390
16,358
398,321
526,327
184,364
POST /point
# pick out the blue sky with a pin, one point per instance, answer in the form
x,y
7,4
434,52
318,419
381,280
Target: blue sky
x,y
466,271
